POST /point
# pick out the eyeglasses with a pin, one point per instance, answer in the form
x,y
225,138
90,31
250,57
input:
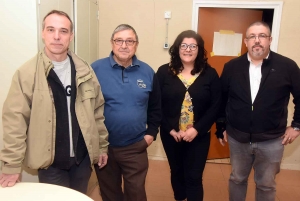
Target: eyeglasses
x,y
184,46
260,37
127,42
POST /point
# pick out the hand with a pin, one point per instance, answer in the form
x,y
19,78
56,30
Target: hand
x,y
289,136
220,128
102,160
189,134
8,180
176,135
149,139
224,140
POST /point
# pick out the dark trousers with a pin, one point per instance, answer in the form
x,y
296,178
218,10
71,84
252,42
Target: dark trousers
x,y
187,161
131,162
77,177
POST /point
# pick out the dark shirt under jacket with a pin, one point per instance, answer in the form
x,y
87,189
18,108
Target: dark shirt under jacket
x,y
205,93
266,117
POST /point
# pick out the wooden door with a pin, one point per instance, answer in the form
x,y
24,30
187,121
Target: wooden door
x,y
213,20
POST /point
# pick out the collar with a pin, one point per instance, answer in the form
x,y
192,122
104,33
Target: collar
x,y
81,66
113,63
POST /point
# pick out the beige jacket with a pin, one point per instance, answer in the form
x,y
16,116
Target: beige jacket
x,y
29,115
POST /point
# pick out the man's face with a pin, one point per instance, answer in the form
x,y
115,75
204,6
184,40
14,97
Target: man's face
x,y
258,41
57,35
124,53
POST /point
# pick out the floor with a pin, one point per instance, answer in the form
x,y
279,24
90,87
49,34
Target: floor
x,y
215,182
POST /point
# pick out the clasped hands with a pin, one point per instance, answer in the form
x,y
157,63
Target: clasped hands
x,y
187,135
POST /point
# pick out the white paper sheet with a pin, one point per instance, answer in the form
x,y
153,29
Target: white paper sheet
x,y
227,44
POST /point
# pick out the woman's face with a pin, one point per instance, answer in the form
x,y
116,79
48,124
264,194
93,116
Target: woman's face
x,y
188,51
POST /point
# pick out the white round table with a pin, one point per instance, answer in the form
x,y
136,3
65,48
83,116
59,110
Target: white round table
x,y
40,192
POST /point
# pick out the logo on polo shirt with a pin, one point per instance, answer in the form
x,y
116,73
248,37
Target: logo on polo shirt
x,y
141,83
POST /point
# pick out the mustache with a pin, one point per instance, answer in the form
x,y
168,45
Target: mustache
x,y
254,46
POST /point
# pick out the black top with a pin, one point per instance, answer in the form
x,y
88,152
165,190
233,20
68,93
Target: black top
x,y
62,140
205,93
266,118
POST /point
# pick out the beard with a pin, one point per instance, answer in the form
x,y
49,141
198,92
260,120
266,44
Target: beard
x,y
258,53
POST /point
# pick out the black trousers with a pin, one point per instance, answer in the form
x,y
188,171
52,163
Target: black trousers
x,y
77,177
187,161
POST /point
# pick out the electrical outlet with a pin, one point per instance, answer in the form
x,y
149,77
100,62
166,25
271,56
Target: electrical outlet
x,y
167,14
166,45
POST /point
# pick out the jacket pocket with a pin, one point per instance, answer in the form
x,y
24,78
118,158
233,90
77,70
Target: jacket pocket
x,y
88,94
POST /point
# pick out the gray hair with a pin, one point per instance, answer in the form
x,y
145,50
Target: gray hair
x,y
123,27
260,23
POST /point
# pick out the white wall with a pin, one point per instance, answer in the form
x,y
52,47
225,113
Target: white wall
x,y
18,39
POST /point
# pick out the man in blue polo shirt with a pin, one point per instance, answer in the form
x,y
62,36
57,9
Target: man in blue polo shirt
x,y
132,116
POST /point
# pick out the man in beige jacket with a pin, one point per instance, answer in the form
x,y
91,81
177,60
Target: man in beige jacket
x,y
53,114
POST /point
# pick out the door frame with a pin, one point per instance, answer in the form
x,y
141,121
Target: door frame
x,y
275,5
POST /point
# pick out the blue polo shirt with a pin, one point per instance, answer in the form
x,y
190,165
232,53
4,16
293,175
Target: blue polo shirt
x,y
126,93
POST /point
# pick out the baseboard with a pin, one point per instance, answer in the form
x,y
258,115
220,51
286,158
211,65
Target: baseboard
x,y
158,158
290,166
283,166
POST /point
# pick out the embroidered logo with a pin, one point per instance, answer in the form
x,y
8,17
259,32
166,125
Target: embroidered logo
x,y
141,83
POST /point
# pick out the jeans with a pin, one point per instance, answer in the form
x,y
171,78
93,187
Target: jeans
x,y
77,177
265,158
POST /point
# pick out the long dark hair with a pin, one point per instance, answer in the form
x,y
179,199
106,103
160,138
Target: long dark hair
x,y
201,59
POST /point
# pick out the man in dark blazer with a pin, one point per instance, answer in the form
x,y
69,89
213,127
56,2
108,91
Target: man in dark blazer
x,y
253,115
